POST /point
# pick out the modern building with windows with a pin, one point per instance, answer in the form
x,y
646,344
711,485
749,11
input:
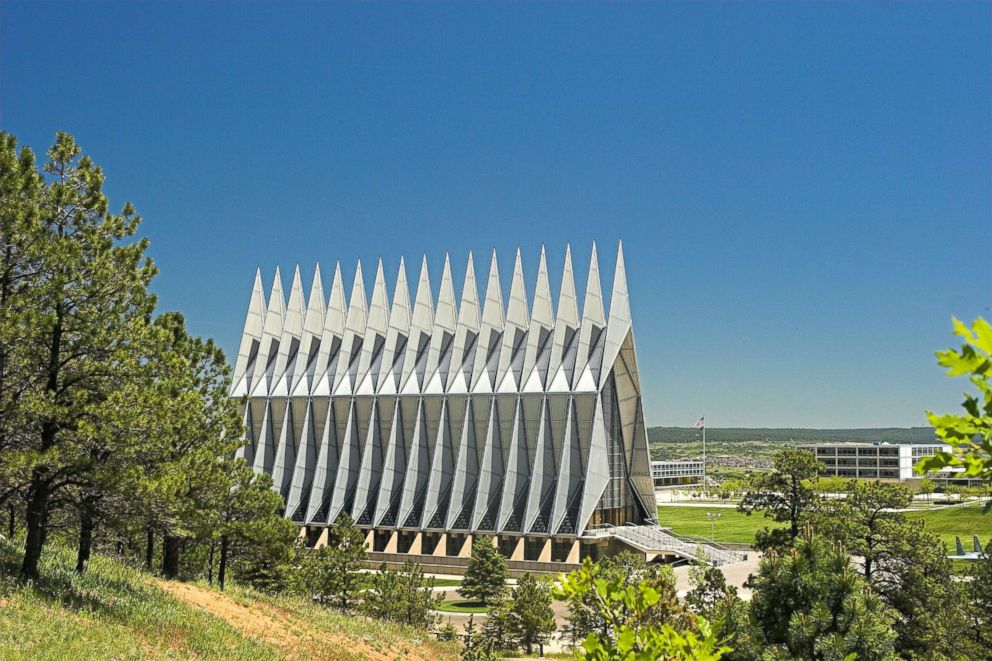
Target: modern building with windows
x,y
433,422
883,461
678,473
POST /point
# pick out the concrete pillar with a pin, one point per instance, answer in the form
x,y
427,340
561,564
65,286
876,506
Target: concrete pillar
x,y
370,541
466,550
303,532
322,540
416,547
518,550
442,546
573,553
545,551
391,544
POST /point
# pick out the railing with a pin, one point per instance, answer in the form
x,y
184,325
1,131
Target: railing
x,y
654,538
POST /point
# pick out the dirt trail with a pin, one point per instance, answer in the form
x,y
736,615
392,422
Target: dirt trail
x,y
292,636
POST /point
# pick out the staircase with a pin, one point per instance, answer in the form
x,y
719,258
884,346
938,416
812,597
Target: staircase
x,y
654,539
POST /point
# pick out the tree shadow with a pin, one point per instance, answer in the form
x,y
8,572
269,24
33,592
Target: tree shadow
x,y
98,590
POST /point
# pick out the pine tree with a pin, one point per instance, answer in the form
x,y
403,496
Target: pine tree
x,y
86,331
348,556
811,603
786,494
531,618
485,576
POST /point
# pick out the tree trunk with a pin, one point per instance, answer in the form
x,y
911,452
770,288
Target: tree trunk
x,y
170,556
149,548
210,564
12,521
38,491
222,570
36,518
85,539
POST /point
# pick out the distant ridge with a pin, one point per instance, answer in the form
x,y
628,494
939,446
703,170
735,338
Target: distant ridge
x,y
743,434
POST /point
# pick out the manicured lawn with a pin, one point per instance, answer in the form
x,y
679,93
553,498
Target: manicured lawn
x,y
964,521
446,582
732,526
462,606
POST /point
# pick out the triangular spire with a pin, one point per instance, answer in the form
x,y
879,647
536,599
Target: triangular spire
x,y
593,323
271,334
490,337
289,342
421,328
330,340
511,357
354,332
251,338
396,336
375,335
536,360
313,328
399,315
619,324
445,322
566,328
467,335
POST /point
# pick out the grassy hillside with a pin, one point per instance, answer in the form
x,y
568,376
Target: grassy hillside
x,y
963,521
118,612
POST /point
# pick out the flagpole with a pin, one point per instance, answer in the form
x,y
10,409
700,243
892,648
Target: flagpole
x,y
704,456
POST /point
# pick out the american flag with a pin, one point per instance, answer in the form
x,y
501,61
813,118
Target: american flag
x,y
699,423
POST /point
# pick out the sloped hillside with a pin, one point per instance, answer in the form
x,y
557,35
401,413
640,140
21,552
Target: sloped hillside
x,y
119,612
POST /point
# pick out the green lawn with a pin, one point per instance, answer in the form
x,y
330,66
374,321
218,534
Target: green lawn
x,y
731,526
462,606
447,582
734,527
963,521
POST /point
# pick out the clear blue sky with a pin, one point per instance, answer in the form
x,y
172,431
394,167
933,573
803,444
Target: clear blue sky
x,y
803,190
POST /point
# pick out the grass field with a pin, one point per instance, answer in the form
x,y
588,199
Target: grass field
x,y
118,612
734,527
731,526
964,521
462,606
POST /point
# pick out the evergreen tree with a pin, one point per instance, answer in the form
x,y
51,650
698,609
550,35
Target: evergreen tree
x,y
347,557
476,647
21,234
531,618
405,596
786,494
497,630
709,590
254,538
85,333
485,576
810,603
978,603
903,563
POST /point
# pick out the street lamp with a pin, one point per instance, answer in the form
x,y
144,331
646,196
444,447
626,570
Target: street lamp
x,y
712,516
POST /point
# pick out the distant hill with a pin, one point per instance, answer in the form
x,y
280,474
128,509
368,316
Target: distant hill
x,y
743,434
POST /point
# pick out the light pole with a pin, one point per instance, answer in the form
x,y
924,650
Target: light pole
x,y
712,516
